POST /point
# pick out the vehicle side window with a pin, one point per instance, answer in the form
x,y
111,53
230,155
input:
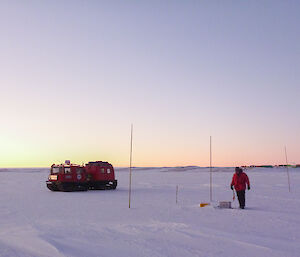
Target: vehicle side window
x,y
108,171
102,170
67,170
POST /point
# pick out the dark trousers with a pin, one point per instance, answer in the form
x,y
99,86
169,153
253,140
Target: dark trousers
x,y
241,197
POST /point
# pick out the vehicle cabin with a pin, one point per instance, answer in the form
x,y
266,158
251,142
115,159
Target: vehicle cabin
x,y
67,178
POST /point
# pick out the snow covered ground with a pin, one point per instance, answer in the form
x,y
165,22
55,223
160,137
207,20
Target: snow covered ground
x,y
37,222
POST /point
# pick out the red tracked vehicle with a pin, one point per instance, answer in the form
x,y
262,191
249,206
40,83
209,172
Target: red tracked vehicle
x,y
70,177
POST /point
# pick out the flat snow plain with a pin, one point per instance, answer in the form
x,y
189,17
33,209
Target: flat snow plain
x,y
37,222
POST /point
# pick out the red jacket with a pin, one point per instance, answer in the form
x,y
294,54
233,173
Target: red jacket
x,y
239,181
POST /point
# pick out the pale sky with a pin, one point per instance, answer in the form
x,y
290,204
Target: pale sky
x,y
76,74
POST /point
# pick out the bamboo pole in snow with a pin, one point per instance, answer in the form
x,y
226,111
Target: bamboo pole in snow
x,y
130,162
210,172
176,193
287,169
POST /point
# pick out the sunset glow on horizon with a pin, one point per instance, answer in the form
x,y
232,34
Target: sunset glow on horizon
x,y
75,75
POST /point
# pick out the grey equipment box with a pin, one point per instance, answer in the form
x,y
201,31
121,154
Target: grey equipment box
x,y
226,205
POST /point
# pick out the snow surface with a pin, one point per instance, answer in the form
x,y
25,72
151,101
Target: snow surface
x,y
37,222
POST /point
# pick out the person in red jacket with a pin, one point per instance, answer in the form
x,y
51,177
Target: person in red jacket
x,y
239,182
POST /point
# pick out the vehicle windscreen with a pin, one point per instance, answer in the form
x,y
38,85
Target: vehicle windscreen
x,y
55,170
